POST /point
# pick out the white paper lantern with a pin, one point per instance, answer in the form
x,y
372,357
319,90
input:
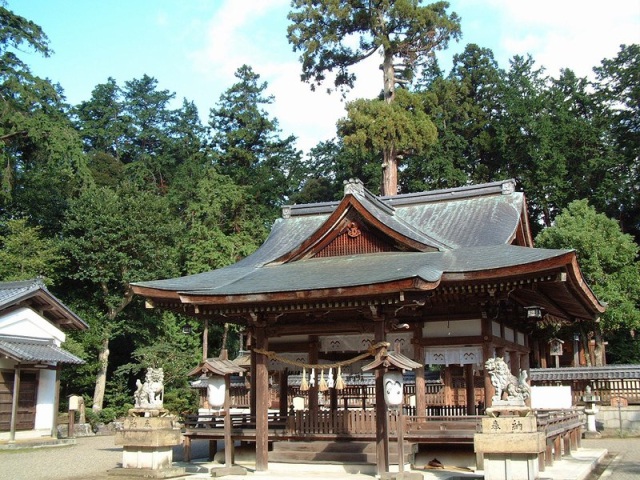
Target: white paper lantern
x,y
393,386
215,392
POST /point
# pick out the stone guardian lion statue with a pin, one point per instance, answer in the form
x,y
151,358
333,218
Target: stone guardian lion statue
x,y
517,390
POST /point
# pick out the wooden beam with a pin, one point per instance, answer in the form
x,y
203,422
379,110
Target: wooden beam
x,y
262,401
382,420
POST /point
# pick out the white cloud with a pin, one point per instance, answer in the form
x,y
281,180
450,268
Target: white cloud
x,y
558,34
566,34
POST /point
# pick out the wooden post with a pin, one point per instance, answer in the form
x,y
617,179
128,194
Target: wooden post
x,y
470,390
418,356
229,447
14,404
487,353
205,339
252,374
400,428
284,393
313,389
262,401
382,420
448,386
56,405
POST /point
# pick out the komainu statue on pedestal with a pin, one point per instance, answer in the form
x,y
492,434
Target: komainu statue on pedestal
x,y
150,394
517,390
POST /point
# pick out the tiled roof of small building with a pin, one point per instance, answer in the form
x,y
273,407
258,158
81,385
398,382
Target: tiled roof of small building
x,y
606,372
24,349
34,292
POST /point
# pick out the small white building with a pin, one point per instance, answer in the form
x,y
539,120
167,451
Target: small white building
x,y
32,324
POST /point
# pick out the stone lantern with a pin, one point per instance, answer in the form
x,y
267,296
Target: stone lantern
x,y
591,401
392,364
217,373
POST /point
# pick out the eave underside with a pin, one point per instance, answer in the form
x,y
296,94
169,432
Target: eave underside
x,y
352,310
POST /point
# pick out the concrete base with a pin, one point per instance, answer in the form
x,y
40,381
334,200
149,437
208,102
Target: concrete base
x,y
171,472
595,434
232,470
402,476
147,457
522,466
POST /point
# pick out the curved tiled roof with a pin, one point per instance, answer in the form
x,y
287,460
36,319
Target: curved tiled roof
x,y
25,349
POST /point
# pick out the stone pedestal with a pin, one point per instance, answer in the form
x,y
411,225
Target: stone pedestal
x,y
147,445
510,446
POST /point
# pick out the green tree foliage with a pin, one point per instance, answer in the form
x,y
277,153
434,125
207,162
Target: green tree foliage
x,y
132,133
26,254
222,224
333,36
401,128
618,88
248,147
608,259
113,238
42,162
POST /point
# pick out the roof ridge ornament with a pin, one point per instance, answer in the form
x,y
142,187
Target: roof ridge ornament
x,y
508,187
354,186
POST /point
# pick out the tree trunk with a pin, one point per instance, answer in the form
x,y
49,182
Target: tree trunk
x,y
389,154
101,376
389,172
598,351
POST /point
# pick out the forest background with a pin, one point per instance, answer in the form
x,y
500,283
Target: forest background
x,y
125,187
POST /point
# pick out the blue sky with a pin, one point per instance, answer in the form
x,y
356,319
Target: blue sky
x,y
193,47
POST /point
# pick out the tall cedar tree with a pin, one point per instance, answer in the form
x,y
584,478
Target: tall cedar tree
x,y
333,36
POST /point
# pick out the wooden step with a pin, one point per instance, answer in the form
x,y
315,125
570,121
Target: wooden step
x,y
335,452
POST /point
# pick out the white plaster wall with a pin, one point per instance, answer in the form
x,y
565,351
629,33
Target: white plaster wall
x,y
7,364
457,328
509,334
46,397
24,322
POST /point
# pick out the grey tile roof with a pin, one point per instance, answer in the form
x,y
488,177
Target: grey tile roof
x,y
606,372
25,349
353,270
455,221
34,290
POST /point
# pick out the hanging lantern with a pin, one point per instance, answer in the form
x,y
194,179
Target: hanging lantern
x,y
215,391
393,388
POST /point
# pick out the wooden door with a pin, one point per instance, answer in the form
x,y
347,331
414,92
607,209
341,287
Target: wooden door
x,y
27,400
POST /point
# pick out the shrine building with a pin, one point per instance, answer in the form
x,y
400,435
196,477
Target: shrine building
x,y
449,278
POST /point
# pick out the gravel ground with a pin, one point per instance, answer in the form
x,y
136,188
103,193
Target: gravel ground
x,y
92,457
624,458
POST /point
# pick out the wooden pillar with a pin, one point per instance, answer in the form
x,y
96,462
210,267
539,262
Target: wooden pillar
x,y
418,356
262,400
333,399
284,393
543,354
487,353
229,447
252,384
56,405
567,443
205,339
448,386
471,390
557,448
313,390
382,420
514,357
14,404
